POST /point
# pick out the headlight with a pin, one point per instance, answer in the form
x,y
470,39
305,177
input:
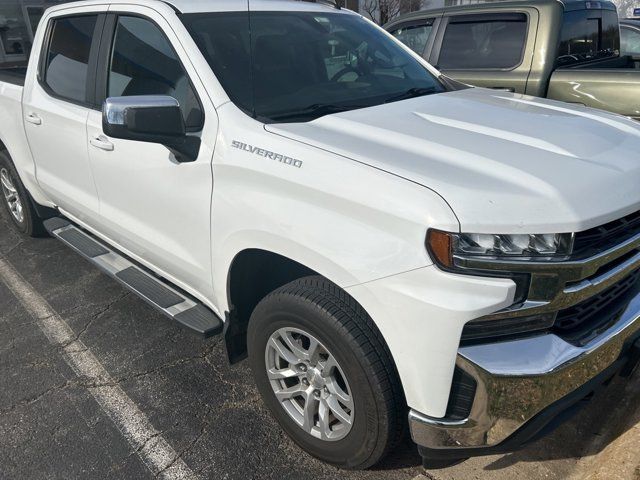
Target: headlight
x,y
444,245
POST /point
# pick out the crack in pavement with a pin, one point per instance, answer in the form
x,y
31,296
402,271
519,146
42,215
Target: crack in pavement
x,y
206,424
95,317
29,401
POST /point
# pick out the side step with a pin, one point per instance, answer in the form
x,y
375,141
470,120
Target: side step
x,y
169,300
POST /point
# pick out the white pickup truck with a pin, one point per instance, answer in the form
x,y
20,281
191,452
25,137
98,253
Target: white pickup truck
x,y
388,247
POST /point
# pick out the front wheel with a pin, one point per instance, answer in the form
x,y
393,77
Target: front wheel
x,y
16,200
325,373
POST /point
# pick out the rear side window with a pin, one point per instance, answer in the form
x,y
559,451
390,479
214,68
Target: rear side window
x,y
68,57
143,62
493,41
414,35
588,35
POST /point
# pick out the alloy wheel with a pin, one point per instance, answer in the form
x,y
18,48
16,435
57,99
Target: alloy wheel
x,y
309,384
11,196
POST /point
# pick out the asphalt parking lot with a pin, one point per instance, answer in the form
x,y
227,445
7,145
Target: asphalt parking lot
x,y
208,414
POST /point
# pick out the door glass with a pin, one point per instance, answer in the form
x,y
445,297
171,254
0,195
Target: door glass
x,y
68,57
414,36
588,35
144,63
630,39
484,42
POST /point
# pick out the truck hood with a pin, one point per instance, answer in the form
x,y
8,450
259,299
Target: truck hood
x,y
505,163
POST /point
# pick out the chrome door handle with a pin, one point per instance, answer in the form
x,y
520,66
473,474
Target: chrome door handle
x,y
33,118
102,143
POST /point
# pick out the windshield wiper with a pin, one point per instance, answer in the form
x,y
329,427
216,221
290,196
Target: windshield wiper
x,y
412,93
314,111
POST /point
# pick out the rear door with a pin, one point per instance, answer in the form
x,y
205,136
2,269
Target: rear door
x,y
492,50
56,105
156,209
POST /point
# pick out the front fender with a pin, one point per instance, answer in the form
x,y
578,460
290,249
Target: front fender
x,y
345,220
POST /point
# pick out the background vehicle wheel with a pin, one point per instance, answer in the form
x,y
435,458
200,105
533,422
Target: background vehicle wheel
x,y
326,374
16,201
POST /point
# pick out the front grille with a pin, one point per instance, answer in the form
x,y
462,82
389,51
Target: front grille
x,y
577,324
604,237
587,319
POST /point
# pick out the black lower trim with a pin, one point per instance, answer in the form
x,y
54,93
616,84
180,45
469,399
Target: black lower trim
x,y
235,338
43,212
201,320
548,419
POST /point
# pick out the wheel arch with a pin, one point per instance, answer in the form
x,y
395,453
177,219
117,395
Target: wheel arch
x,y
252,275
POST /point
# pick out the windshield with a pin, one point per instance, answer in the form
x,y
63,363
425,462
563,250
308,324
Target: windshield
x,y
298,66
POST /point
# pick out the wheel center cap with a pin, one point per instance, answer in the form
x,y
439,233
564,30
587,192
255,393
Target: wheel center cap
x,y
315,378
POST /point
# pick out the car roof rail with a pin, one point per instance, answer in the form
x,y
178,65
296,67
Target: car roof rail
x,y
332,3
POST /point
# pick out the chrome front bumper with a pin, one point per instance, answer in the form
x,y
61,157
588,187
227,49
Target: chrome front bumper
x,y
519,379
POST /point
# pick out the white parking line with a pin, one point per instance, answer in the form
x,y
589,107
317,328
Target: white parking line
x,y
156,453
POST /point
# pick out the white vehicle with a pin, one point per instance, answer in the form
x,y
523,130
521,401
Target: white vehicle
x,y
387,247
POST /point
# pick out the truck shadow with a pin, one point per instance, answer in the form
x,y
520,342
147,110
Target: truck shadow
x,y
607,416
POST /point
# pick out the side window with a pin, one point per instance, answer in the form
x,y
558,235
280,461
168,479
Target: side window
x,y
68,57
415,35
494,41
144,63
630,39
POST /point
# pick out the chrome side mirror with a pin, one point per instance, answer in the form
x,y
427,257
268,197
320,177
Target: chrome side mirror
x,y
152,119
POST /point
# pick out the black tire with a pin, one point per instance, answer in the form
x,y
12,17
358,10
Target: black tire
x,y
31,224
322,309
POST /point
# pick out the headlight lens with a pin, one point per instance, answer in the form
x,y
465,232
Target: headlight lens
x,y
444,245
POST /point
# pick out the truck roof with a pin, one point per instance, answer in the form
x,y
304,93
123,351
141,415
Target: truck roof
x,y
484,4
193,6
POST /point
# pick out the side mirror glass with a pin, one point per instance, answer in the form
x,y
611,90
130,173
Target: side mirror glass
x,y
152,119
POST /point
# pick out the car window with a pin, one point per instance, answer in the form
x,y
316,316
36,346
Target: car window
x,y
414,35
630,41
481,41
298,66
588,35
68,57
143,62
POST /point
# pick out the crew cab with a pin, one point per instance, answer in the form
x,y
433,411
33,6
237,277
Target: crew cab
x,y
387,246
564,50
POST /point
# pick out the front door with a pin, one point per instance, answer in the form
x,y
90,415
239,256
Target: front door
x,y
154,208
